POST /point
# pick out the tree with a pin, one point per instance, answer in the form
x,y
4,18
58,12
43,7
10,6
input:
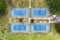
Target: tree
x,y
3,7
52,5
32,20
58,5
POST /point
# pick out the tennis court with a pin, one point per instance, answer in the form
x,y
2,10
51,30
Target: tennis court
x,y
40,28
19,28
19,12
40,12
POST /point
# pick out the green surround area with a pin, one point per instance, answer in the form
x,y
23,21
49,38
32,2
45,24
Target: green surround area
x,y
3,8
5,31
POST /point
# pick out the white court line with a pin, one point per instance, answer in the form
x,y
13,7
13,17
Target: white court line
x,y
29,19
29,3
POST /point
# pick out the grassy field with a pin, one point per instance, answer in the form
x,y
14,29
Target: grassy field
x,y
20,3
38,4
4,25
49,36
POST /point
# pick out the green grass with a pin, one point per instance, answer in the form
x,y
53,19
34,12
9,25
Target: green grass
x,y
20,3
4,23
6,35
38,4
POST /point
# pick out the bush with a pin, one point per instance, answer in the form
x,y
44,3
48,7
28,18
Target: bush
x,y
57,27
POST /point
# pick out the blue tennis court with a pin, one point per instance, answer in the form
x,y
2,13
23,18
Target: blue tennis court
x,y
19,12
42,12
44,28
19,27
